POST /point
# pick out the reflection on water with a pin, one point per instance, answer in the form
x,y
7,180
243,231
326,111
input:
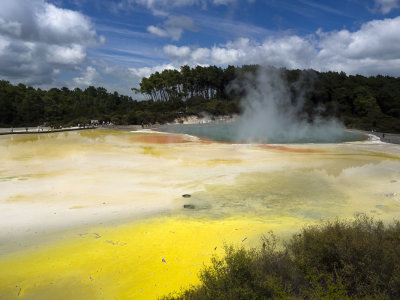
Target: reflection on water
x,y
91,214
265,194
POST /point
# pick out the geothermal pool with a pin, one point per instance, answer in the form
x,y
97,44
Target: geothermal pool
x,y
99,214
240,131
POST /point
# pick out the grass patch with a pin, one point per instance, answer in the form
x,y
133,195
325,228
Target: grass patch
x,y
341,259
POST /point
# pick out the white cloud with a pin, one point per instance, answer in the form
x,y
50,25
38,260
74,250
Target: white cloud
x,y
157,31
39,21
89,77
290,51
172,32
115,78
177,53
147,71
155,3
136,75
180,22
223,2
62,26
376,43
373,49
4,43
386,6
126,77
37,39
158,6
66,55
173,27
201,55
102,39
10,28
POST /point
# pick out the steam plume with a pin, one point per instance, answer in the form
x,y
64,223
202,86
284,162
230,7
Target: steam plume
x,y
272,115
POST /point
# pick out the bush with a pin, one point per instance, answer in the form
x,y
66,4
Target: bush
x,y
335,260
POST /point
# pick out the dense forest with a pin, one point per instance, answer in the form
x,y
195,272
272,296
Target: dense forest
x,y
359,102
25,106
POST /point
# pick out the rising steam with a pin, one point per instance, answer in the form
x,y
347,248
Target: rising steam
x,y
271,114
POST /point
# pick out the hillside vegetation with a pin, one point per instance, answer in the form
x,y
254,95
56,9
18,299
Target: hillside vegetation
x,y
359,102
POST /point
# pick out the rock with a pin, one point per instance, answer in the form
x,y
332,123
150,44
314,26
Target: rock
x,y
186,195
390,195
189,206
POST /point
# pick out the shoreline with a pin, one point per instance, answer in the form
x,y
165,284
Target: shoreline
x,y
391,138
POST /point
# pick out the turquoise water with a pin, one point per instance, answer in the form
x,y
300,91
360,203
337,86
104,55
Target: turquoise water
x,y
235,133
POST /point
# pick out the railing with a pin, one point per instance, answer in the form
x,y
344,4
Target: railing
x,y
35,130
391,140
387,137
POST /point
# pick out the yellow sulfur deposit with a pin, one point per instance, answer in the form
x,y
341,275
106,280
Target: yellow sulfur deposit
x,y
99,214
142,260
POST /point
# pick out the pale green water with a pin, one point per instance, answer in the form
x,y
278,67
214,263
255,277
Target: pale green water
x,y
228,132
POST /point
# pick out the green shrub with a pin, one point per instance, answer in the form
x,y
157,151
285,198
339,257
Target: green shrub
x,y
357,259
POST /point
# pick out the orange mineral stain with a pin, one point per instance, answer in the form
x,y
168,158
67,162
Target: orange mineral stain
x,y
159,139
295,150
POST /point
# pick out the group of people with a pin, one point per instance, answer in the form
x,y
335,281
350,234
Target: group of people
x,y
147,125
42,128
39,128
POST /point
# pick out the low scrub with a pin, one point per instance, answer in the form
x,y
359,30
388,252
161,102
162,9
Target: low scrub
x,y
358,259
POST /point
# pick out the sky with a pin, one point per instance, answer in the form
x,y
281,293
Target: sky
x,y
114,43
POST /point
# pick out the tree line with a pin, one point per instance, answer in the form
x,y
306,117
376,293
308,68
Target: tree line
x,y
369,103
171,85
21,105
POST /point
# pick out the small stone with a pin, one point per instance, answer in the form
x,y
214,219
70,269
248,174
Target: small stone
x,y
189,206
390,195
186,195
